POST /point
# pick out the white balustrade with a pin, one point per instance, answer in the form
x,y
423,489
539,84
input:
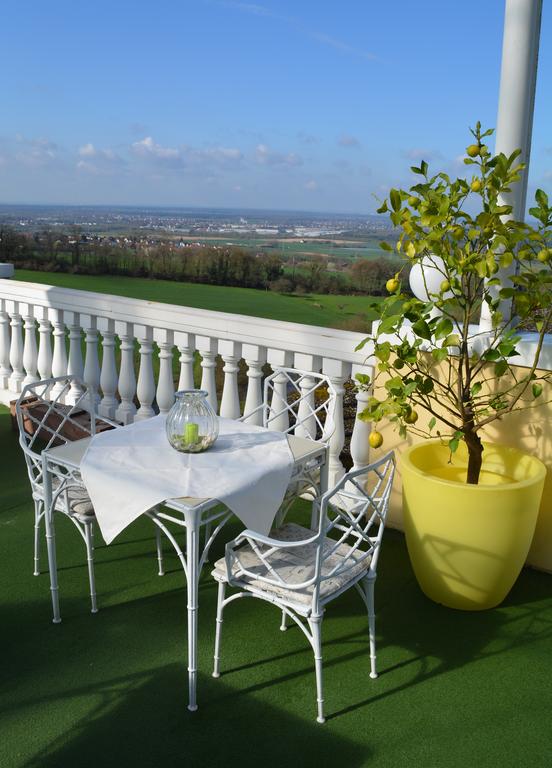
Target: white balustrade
x,y
306,426
127,378
230,351
108,374
255,358
16,352
59,359
145,391
91,373
75,365
208,350
185,343
30,351
44,343
165,383
279,416
5,368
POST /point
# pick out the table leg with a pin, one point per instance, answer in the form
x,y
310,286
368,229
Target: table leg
x,y
50,538
192,559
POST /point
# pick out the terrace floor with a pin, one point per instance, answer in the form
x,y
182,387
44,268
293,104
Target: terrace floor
x,y
455,689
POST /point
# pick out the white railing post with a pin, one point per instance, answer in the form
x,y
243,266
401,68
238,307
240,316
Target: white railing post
x,y
44,344
279,359
230,351
59,359
255,358
306,426
5,367
185,343
208,350
91,373
108,374
360,447
16,351
165,383
30,351
127,379
145,390
338,372
75,365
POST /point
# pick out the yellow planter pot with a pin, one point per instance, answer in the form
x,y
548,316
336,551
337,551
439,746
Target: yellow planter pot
x,y
468,543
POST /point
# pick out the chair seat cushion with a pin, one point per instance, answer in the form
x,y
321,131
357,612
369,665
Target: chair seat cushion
x,y
294,566
79,501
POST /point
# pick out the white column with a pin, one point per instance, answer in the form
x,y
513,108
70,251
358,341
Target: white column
x,y
165,383
75,365
338,372
516,103
306,426
108,374
44,344
59,359
127,379
5,368
208,349
91,373
146,382
230,352
16,351
360,447
279,359
185,343
255,358
30,352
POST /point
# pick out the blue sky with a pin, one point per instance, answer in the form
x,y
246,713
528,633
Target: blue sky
x,y
290,105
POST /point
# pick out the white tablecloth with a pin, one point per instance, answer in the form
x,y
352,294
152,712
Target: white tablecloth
x,y
129,470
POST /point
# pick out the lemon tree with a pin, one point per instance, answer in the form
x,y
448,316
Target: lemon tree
x,y
431,355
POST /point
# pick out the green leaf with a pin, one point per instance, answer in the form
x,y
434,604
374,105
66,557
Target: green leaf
x,y
421,329
423,167
386,246
414,169
383,207
500,368
395,197
432,423
542,198
537,390
443,328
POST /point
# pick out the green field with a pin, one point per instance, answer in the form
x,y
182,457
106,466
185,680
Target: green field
x,y
349,312
346,249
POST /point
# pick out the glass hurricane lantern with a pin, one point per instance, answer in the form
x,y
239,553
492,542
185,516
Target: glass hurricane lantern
x,y
192,424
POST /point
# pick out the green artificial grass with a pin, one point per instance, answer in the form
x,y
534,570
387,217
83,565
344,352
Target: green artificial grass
x,y
349,312
455,689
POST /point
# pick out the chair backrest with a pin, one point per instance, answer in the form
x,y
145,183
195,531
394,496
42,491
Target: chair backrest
x,y
299,402
352,517
44,419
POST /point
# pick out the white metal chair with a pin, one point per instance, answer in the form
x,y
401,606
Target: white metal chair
x,y
302,570
53,412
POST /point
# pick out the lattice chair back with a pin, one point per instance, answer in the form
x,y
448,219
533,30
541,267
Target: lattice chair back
x,y
352,521
44,420
299,402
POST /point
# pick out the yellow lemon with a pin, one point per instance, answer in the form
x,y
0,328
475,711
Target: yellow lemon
x,y
476,185
375,439
473,150
445,286
413,201
544,255
392,285
411,418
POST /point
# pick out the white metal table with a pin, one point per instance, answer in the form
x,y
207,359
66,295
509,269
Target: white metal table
x,y
310,467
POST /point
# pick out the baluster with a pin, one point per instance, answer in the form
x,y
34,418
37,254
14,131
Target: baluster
x,y
255,357
127,379
59,359
208,350
360,447
145,390
186,345
30,351
278,414
16,351
5,368
306,421
338,372
91,373
75,366
230,352
44,345
108,374
165,383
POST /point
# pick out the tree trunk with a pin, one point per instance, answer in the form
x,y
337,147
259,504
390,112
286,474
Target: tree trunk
x,y
475,456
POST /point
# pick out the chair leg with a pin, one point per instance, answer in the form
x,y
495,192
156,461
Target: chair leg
x,y
315,624
206,539
369,588
283,625
159,545
89,536
218,629
36,571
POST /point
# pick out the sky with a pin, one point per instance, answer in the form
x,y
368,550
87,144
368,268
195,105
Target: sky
x,y
285,104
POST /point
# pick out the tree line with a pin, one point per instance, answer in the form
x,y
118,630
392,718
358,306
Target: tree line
x,y
51,251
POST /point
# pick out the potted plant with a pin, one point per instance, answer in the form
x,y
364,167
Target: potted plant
x,y
470,507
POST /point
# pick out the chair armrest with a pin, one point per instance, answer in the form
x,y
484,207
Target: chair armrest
x,y
277,543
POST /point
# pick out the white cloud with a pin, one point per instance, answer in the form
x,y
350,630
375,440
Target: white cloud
x,y
99,162
265,156
418,153
311,185
348,141
148,148
87,150
35,152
